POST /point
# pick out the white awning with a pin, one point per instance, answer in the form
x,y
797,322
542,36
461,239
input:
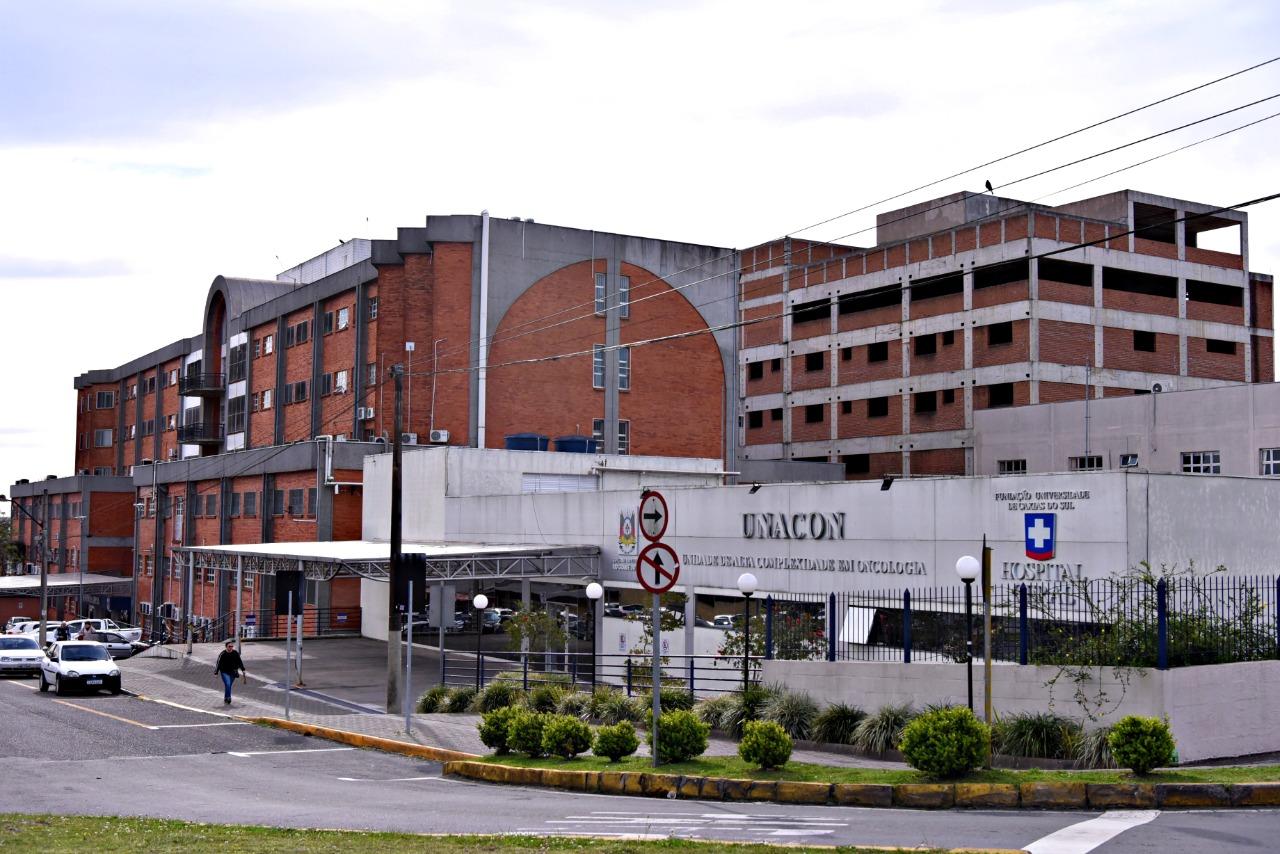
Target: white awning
x,y
25,584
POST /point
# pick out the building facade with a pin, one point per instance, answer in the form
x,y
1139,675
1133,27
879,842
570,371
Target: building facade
x,y
879,358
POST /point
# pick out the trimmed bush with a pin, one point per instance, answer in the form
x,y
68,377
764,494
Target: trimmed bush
x,y
1038,734
1093,751
544,698
495,726
1141,744
711,712
795,713
883,730
524,733
459,699
497,695
764,743
946,742
574,704
565,736
747,706
616,741
681,737
836,723
432,700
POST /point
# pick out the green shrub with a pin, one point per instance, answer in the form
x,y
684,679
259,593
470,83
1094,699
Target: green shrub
x,y
1093,751
574,704
836,723
747,706
670,700
616,741
524,733
681,737
882,731
640,711
795,713
764,743
1141,744
1039,734
432,700
946,742
544,698
610,706
495,726
711,712
459,699
497,695
565,736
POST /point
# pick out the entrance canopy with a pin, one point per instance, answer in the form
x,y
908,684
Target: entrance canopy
x,y
368,559
26,585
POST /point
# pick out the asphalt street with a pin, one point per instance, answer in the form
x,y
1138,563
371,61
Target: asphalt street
x,y
103,755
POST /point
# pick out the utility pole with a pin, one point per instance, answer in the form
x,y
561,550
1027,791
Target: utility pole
x,y
44,569
395,687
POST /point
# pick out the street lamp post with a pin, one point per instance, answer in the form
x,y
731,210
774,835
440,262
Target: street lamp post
x,y
747,585
594,593
968,568
480,602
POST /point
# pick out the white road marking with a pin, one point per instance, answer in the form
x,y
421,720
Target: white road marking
x,y
196,726
247,753
1088,835
23,685
391,780
691,824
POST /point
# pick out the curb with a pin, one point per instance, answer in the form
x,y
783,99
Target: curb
x,y
1047,796
356,739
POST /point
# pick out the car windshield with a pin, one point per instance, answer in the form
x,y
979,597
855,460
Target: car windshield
x,y
18,643
84,653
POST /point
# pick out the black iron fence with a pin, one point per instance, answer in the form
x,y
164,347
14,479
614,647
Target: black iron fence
x,y
258,623
701,675
1140,621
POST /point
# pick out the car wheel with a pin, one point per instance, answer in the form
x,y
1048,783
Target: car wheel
x,y
115,688
44,686
58,687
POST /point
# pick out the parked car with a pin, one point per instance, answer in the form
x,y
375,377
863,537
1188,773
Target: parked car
x,y
101,625
86,665
20,655
725,621
506,614
491,622
20,626
117,644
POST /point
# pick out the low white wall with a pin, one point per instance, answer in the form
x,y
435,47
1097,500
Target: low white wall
x,y
375,597
1215,711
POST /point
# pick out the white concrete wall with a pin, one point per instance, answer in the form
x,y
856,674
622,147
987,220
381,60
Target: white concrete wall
x,y
1214,711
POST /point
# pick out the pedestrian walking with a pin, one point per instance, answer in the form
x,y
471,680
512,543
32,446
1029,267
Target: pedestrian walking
x,y
229,666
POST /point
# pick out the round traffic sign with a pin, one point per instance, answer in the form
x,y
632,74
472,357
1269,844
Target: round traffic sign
x,y
653,515
657,567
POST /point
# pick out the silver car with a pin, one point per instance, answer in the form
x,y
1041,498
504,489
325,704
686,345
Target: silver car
x,y
20,655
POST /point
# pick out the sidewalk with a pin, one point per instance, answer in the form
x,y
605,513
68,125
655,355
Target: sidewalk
x,y
340,696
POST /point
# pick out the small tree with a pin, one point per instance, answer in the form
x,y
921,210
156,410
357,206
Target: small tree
x,y
531,630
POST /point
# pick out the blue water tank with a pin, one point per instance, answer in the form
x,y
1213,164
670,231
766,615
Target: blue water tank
x,y
576,444
526,442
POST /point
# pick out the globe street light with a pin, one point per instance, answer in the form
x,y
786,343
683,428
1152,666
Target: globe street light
x,y
747,586
968,568
594,593
480,601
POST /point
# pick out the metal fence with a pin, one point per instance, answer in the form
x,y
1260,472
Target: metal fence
x,y
259,623
701,675
1140,621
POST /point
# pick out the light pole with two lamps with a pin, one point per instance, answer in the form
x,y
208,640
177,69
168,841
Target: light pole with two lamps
x,y
479,602
746,585
968,568
594,592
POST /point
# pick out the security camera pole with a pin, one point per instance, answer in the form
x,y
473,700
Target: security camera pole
x,y
394,674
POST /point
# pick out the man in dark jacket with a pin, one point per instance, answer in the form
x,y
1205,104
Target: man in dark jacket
x,y
229,666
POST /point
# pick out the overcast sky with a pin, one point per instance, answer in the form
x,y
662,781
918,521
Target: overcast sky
x,y
146,147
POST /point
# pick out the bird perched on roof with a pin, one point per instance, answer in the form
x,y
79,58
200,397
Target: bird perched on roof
x,y
990,189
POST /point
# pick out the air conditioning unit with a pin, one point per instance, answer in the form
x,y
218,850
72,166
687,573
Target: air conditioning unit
x,y
84,472
144,607
173,453
364,413
408,438
438,437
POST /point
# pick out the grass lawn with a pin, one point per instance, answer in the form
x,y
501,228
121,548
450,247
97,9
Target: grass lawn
x,y
50,834
732,766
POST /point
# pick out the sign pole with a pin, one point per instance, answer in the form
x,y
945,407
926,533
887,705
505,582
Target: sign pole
x,y
288,664
986,630
657,671
408,666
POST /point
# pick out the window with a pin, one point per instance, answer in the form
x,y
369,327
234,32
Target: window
x,y
601,293
814,361
267,394
105,400
856,463
251,504
344,318
277,502
624,301
925,402
149,427
132,392
815,413
328,322
102,471
326,384
926,345
1143,341
597,432
289,333
295,392
130,432
775,414
1000,394
372,304
1000,333
211,506
268,344
171,422
775,365
878,352
235,415
1202,462
1270,462
1213,345
173,375
948,395
1011,466
624,437
755,370
624,369
340,380
237,361
846,354
1092,462
948,338
372,370
257,348
846,407
877,407
597,366
311,502
295,502
149,385
102,438
755,419
235,505
304,330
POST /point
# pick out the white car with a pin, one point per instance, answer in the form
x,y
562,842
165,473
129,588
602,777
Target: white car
x,y
79,664
20,655
100,625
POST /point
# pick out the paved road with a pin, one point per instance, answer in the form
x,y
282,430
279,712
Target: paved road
x,y
197,765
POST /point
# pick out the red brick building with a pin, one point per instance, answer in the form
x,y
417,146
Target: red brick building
x,y
879,357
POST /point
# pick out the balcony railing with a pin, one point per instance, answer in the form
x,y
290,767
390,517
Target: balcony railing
x,y
199,433
191,384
